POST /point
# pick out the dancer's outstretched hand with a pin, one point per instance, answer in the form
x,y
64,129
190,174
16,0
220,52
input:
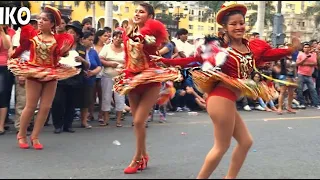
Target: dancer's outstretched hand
x,y
155,58
296,43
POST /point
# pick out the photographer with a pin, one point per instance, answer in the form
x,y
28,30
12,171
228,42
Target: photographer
x,y
306,62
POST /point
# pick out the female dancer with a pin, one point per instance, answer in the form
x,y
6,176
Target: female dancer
x,y
42,71
141,78
226,85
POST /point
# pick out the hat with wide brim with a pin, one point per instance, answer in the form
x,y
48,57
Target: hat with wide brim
x,y
56,13
228,7
76,26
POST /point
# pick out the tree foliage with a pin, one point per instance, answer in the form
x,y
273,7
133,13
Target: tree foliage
x,y
270,12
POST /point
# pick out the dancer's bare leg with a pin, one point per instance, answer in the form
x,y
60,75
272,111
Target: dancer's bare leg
x,y
140,112
47,96
33,93
244,139
222,113
283,90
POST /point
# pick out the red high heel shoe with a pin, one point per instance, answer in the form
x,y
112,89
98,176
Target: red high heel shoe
x,y
22,145
145,160
37,146
133,170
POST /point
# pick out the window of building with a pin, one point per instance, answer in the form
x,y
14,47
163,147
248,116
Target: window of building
x,y
126,9
190,26
199,19
290,6
190,18
199,13
192,12
300,24
115,8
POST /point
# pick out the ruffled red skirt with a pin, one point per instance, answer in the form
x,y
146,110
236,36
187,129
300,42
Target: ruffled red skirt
x,y
128,81
28,70
206,81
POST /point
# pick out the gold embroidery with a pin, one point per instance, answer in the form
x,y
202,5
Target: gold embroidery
x,y
137,60
43,52
244,63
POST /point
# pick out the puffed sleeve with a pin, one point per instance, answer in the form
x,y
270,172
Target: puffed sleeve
x,y
263,52
27,33
156,29
61,38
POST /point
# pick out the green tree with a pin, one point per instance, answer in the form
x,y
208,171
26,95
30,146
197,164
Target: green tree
x,y
88,4
270,12
214,6
314,10
138,2
159,5
91,4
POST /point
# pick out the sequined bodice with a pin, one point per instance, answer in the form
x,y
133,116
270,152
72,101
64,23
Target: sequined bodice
x,y
43,52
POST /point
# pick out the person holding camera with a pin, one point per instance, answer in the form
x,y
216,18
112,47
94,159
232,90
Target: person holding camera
x,y
306,62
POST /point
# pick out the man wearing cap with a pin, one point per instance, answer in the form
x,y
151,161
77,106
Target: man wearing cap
x,y
68,93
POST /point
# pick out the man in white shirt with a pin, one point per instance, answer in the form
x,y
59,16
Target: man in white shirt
x,y
185,49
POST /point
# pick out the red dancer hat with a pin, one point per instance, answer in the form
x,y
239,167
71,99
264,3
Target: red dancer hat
x,y
56,13
228,7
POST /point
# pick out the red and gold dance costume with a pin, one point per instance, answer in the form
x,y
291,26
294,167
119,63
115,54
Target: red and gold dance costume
x,y
139,72
235,71
44,56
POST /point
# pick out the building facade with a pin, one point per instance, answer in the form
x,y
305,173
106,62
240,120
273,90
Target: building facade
x,y
295,19
195,20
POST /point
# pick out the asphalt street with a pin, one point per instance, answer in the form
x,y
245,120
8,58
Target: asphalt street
x,y
285,146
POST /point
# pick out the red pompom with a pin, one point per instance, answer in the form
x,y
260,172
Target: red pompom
x,y
155,28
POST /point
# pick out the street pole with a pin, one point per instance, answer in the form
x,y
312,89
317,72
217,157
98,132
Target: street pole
x,y
261,17
215,24
108,15
93,6
277,35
